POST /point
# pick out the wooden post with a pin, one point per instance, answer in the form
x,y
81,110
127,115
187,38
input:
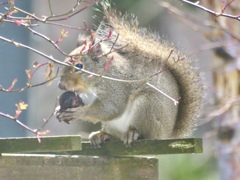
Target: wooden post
x,y
65,158
22,167
47,144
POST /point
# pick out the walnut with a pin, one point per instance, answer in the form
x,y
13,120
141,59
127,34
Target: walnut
x,y
70,99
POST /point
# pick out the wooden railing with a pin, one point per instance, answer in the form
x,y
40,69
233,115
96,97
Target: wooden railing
x,y
66,157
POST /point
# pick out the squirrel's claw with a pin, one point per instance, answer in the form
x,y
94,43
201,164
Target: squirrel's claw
x,y
67,115
130,137
98,138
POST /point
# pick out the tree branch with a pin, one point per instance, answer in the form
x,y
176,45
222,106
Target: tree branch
x,y
210,11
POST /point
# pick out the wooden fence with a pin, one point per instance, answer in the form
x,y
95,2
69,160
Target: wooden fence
x,y
66,157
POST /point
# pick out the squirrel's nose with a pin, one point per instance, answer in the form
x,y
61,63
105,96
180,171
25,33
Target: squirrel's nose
x,y
61,86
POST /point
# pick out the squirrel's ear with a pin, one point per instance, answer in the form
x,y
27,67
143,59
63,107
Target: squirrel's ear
x,y
80,43
81,40
96,50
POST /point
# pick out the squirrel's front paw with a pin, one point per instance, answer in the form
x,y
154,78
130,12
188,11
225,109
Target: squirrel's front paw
x,y
70,105
98,138
68,115
130,137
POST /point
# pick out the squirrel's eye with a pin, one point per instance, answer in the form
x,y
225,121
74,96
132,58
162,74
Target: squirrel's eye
x,y
79,65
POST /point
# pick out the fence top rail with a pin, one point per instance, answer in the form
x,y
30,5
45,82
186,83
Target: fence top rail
x,y
72,145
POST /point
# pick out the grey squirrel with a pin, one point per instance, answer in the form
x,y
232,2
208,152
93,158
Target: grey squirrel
x,y
143,67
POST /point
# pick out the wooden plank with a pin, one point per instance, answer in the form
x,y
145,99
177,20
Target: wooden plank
x,y
72,145
62,167
143,147
48,144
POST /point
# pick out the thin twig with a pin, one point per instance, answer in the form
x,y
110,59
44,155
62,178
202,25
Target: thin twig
x,y
64,14
34,131
30,15
68,26
225,107
18,122
50,7
48,119
174,100
91,73
225,7
69,16
48,39
210,11
81,70
29,86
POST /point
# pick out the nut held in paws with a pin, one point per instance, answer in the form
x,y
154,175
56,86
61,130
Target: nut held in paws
x,y
70,99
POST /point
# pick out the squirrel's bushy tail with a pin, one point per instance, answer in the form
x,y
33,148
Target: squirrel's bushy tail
x,y
150,45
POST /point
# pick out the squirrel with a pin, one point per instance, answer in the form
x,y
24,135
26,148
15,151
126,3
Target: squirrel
x,y
133,82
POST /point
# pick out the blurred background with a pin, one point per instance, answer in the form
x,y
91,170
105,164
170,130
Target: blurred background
x,y
179,23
